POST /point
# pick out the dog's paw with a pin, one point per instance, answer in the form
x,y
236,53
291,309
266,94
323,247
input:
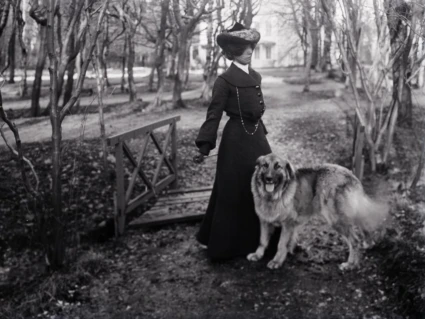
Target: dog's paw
x,y
347,266
273,264
254,257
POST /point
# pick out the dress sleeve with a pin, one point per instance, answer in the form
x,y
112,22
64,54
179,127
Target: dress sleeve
x,y
207,135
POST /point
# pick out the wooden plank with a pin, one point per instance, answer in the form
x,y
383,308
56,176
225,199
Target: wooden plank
x,y
189,190
174,162
158,146
184,196
115,139
188,201
137,169
164,153
119,167
171,218
161,185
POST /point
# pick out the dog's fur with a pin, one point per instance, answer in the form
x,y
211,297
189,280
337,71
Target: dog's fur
x,y
287,198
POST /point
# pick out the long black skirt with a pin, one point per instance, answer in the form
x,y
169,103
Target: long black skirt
x,y
230,226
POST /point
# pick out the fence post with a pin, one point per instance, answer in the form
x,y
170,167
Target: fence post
x,y
120,207
174,185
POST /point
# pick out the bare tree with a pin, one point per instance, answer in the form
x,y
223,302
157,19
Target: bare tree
x,y
11,53
20,17
39,14
379,125
123,63
213,50
400,18
327,44
245,10
31,185
55,255
186,24
100,91
4,14
160,44
112,32
131,17
18,154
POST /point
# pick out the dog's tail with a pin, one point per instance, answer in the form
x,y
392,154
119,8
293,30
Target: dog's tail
x,y
369,214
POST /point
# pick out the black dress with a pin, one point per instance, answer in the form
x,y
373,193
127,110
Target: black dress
x,y
230,227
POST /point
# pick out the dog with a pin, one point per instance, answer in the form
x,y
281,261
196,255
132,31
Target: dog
x,y
288,198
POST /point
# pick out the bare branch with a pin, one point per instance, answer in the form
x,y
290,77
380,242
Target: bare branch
x,y
177,15
18,154
85,66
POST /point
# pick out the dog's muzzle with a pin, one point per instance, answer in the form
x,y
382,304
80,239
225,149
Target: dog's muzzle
x,y
269,184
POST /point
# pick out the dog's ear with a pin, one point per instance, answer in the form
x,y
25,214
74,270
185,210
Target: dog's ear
x,y
290,169
258,161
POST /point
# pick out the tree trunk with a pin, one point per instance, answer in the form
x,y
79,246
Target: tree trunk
x,y
11,56
179,72
104,68
206,86
421,71
78,69
4,14
56,249
20,16
327,43
420,168
309,49
248,14
172,59
69,84
130,64
399,32
151,79
70,69
36,87
100,91
123,64
315,53
187,68
160,55
104,54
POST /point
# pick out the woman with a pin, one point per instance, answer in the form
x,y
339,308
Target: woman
x,y
230,227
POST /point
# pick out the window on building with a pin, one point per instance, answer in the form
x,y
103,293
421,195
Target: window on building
x,y
268,28
257,53
268,52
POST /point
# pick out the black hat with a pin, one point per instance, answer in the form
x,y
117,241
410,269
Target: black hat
x,y
238,34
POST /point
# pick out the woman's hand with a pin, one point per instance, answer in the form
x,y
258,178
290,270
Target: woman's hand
x,y
198,159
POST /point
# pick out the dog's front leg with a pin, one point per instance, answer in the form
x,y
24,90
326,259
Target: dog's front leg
x,y
282,249
293,241
266,231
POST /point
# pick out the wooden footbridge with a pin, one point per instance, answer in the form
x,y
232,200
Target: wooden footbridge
x,y
137,182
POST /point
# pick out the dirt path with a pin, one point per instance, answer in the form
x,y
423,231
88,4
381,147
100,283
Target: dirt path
x,y
120,120
163,273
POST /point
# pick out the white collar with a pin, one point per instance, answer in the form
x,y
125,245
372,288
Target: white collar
x,y
243,67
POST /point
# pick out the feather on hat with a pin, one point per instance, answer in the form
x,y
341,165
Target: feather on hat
x,y
238,34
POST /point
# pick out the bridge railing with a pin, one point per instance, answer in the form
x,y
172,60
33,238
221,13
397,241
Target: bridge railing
x,y
124,200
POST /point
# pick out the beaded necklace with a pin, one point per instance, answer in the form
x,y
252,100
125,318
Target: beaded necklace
x,y
240,113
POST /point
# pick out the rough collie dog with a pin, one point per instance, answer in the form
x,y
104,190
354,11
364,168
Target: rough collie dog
x,y
288,198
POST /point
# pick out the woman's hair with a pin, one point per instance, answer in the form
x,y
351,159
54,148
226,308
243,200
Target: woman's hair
x,y
231,51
